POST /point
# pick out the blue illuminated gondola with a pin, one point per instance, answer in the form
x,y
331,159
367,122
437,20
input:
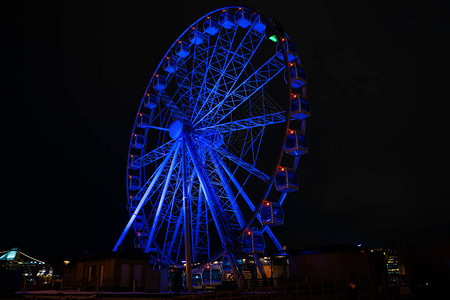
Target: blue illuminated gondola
x,y
258,24
299,107
196,37
143,121
211,26
134,162
298,76
182,49
242,17
137,141
295,144
139,223
133,183
170,65
252,242
286,180
197,279
131,205
142,235
212,275
150,100
159,82
226,20
291,50
271,213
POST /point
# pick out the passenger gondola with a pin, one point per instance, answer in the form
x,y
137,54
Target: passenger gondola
x,y
286,180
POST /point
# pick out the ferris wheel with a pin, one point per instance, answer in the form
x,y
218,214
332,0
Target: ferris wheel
x,y
216,141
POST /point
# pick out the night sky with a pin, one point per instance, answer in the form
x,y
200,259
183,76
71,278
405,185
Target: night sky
x,y
74,73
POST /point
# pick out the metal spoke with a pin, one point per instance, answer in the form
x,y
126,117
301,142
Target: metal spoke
x,y
251,205
261,175
153,155
227,44
245,90
259,121
229,192
175,147
163,195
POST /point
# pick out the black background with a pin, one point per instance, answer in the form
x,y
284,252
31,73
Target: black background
x,y
74,73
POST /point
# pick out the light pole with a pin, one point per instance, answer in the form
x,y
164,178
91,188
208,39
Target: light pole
x,y
66,262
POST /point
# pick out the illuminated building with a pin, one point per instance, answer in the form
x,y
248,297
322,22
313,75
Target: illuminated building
x,y
391,264
33,270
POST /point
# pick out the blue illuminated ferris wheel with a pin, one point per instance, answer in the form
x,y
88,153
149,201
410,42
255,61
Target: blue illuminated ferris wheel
x,y
216,141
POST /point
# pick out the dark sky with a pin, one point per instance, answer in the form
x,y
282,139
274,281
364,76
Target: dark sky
x,y
74,73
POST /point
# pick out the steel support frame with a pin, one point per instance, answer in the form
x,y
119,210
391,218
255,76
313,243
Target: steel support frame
x,y
225,236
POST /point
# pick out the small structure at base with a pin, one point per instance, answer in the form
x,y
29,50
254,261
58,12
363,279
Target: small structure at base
x,y
116,271
330,263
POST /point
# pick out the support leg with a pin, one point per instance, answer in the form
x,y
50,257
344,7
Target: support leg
x,y
187,222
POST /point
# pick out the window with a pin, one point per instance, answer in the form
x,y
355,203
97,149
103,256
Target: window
x,y
92,272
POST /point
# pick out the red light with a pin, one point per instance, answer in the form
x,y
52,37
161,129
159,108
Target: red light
x,y
267,204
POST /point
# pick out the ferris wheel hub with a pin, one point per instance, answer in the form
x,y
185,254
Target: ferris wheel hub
x,y
175,129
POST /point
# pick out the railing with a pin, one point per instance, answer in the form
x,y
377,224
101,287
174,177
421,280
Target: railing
x,y
306,291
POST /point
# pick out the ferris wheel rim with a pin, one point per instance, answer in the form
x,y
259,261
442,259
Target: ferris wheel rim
x,y
287,119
